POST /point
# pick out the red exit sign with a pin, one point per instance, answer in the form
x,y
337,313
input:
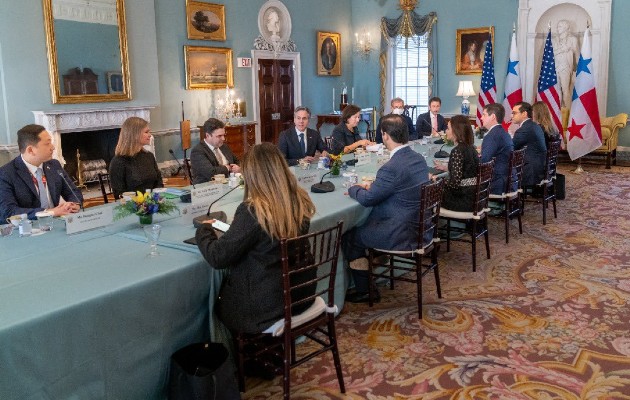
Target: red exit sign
x,y
244,62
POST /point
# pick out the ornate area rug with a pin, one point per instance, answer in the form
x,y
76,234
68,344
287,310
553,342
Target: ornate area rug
x,y
545,318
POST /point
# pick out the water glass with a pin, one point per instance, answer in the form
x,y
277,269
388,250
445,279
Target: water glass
x,y
152,232
45,220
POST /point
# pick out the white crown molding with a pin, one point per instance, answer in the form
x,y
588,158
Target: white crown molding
x,y
90,11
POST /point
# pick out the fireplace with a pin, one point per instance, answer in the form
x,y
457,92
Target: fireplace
x,y
94,132
92,146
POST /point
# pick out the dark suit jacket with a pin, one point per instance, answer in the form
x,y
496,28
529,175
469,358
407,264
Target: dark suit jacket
x,y
289,144
412,131
423,124
18,193
530,134
204,163
395,200
497,144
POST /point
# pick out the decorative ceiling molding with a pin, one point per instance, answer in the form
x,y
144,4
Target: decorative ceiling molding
x,y
89,11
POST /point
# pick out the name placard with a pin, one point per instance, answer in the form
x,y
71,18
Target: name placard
x,y
206,194
193,210
91,219
363,158
307,178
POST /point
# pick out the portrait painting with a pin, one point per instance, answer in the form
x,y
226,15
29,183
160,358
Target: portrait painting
x,y
328,53
274,22
205,20
471,48
115,82
208,67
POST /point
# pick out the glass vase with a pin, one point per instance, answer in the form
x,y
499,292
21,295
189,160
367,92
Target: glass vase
x,y
146,219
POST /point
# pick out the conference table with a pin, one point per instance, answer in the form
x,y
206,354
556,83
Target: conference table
x,y
91,316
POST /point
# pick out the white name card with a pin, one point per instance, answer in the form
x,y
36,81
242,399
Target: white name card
x,y
206,194
363,158
307,178
91,219
193,210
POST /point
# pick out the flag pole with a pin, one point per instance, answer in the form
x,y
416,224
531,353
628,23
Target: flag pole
x,y
579,169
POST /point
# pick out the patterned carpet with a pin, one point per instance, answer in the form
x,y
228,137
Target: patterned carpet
x,y
545,318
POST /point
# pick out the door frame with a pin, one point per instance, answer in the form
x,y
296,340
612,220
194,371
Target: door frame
x,y
297,80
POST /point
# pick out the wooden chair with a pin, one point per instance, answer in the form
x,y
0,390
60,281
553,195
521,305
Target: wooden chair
x,y
314,255
371,135
546,187
476,220
106,187
511,198
411,260
410,111
328,140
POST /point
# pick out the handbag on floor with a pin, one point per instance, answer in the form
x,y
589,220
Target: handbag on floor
x,y
202,371
558,184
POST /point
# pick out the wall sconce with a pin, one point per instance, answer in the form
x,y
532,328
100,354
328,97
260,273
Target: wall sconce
x,y
465,89
363,45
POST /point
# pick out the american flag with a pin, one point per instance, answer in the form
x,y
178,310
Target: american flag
x,y
488,92
548,84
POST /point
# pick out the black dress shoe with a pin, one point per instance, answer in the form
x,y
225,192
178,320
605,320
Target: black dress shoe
x,y
359,297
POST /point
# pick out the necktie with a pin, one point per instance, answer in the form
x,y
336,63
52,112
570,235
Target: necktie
x,y
217,154
302,144
43,195
434,122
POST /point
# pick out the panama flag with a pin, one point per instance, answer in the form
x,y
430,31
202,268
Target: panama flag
x,y
584,130
548,84
488,92
513,92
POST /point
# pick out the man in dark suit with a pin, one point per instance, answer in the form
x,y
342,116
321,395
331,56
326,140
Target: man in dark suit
x,y
529,134
33,181
398,107
496,144
395,200
300,142
431,122
212,156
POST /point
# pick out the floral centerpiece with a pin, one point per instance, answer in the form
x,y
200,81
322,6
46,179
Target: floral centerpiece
x,y
144,205
335,163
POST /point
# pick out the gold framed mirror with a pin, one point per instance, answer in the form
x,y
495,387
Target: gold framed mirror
x,y
87,51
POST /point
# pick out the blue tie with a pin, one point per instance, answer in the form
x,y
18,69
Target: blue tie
x,y
43,195
302,144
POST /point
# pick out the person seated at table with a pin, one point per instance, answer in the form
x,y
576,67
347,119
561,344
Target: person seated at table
x,y
212,156
529,134
345,136
542,116
459,187
431,122
301,142
34,181
133,168
496,144
398,108
274,207
395,200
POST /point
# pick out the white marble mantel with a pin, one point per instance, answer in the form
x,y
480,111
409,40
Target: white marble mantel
x,y
90,119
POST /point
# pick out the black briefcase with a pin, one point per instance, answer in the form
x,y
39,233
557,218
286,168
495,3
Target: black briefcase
x,y
202,371
559,188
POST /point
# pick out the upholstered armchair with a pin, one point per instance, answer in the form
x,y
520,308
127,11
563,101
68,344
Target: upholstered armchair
x,y
610,134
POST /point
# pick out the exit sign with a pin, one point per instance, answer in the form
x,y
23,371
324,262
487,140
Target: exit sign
x,y
244,62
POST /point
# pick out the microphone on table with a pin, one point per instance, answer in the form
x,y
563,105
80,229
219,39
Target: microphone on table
x,y
323,187
219,215
441,153
62,175
185,198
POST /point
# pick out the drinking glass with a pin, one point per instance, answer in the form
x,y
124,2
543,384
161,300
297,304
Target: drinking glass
x,y
152,232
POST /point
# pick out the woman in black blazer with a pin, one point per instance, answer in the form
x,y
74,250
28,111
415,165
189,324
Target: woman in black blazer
x,y
274,207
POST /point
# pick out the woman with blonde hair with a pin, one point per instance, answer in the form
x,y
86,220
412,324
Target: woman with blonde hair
x,y
133,168
274,207
542,116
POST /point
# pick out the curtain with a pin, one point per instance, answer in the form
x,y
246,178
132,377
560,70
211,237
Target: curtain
x,y
390,30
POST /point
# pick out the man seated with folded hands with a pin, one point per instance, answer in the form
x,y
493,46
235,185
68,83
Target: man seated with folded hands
x,y
212,156
395,200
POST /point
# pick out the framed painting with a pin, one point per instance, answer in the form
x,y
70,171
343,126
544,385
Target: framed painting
x,y
114,82
328,54
205,20
208,67
471,48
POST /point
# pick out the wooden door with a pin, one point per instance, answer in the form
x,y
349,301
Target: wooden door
x,y
275,96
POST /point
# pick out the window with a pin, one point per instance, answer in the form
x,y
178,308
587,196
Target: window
x,y
411,72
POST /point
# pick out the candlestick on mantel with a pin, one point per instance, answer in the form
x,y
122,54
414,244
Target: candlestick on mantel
x,y
334,100
352,101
